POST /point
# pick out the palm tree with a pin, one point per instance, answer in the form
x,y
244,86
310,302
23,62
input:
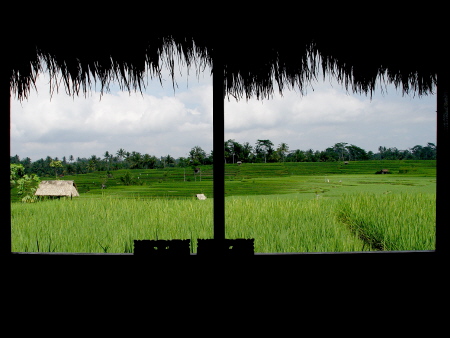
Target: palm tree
x,y
283,148
121,153
264,147
381,150
92,165
169,160
148,161
135,159
107,159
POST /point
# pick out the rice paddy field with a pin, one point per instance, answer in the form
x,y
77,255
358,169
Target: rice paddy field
x,y
293,207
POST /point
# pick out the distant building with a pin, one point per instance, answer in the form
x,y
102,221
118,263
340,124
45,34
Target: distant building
x,y
57,189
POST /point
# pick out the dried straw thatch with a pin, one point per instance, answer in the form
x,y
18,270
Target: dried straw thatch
x,y
57,189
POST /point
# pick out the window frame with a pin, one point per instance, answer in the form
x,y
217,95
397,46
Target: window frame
x,y
442,179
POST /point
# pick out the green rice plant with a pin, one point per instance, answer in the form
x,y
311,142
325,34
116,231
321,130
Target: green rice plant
x,y
283,223
289,225
391,222
111,224
107,224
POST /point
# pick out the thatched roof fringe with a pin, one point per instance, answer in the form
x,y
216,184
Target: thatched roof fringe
x,y
251,66
77,71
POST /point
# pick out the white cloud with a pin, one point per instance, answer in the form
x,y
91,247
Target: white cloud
x,y
329,115
82,126
161,122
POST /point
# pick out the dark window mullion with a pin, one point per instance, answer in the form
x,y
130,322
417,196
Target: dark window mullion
x,y
218,147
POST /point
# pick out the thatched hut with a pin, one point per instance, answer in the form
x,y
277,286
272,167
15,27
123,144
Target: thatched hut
x,y
57,189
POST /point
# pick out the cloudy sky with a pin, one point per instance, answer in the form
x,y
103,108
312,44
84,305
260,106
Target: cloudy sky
x,y
162,121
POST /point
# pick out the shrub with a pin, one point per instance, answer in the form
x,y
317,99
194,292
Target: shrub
x,y
127,179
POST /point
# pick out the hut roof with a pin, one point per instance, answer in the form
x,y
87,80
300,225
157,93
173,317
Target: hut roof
x,y
57,188
259,51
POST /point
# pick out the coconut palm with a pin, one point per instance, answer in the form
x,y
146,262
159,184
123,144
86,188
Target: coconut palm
x,y
169,160
283,148
107,159
121,153
264,148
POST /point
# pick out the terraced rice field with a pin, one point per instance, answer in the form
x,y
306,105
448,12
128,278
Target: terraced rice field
x,y
283,210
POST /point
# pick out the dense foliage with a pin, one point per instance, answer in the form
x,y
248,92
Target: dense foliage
x,y
26,184
264,151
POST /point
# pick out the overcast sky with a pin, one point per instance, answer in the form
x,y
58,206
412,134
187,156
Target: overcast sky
x,y
162,121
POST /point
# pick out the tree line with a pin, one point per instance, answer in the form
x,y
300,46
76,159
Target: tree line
x,y
263,151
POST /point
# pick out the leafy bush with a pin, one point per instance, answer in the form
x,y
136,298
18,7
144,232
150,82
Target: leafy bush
x,y
127,179
26,184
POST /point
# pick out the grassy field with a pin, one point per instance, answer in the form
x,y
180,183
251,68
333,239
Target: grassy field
x,y
392,222
110,225
248,179
304,207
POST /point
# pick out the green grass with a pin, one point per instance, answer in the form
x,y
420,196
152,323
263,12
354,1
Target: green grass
x,y
409,167
289,225
110,225
246,179
391,222
106,224
283,223
252,179
329,185
283,210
